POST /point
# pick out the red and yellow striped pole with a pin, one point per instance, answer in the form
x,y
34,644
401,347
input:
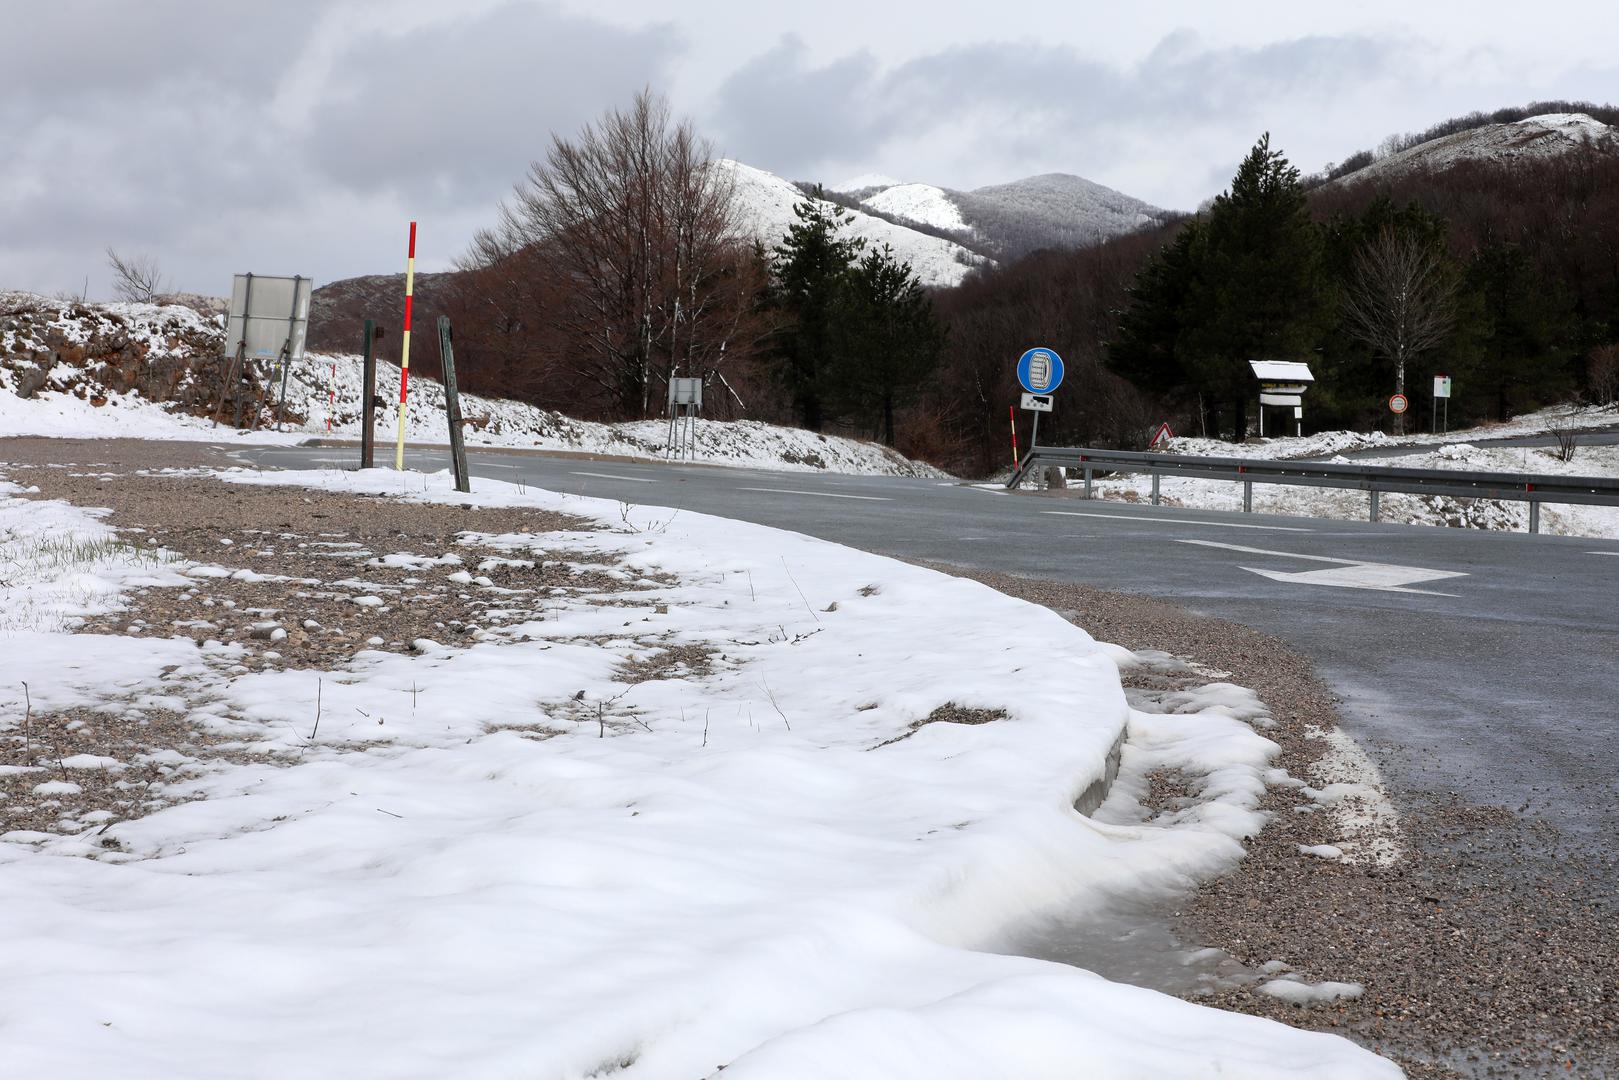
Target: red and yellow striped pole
x,y
404,348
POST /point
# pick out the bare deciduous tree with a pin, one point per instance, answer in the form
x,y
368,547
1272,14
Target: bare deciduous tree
x,y
1400,299
137,278
1602,376
636,222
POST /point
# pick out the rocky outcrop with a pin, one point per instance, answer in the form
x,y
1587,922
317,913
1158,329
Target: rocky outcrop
x,y
168,354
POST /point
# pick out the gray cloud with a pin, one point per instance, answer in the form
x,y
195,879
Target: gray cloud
x,y
166,129
477,101
1018,102
298,137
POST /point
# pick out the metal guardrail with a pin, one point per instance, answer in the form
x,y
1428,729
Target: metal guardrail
x,y
1373,479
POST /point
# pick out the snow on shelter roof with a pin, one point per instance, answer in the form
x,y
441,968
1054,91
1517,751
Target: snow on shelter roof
x,y
1281,371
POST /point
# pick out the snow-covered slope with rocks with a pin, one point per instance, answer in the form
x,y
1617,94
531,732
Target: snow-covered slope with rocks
x,y
145,371
1533,139
765,210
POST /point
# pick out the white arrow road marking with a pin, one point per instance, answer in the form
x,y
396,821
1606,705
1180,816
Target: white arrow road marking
x,y
612,476
1344,573
1176,521
821,494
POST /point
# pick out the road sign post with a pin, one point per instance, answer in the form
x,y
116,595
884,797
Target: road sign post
x,y
1441,393
1040,371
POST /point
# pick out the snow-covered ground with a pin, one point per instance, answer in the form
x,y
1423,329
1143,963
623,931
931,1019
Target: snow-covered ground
x,y
1448,451
78,401
493,422
513,859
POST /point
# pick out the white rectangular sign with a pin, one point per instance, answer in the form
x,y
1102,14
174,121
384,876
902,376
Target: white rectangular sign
x,y
268,314
686,392
1037,402
1441,386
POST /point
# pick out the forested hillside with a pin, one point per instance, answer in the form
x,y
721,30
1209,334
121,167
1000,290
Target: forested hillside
x,y
1520,260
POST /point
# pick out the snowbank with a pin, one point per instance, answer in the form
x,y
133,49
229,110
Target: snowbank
x,y
510,859
147,371
1451,451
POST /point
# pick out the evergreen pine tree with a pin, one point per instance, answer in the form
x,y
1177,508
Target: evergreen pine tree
x,y
1259,290
812,265
887,341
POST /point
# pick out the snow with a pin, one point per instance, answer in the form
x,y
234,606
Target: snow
x,y
524,865
329,387
765,208
1536,137
922,203
1297,992
865,182
1451,451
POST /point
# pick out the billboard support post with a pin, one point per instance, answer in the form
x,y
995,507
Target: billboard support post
x,y
236,364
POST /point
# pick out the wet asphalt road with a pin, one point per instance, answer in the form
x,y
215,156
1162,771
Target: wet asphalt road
x,y
1500,683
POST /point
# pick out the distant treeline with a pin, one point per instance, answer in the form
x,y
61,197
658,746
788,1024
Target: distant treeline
x,y
1159,325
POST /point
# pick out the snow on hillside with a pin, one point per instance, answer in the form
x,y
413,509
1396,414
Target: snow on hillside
x,y
145,371
1053,210
1535,138
1066,210
496,422
765,209
557,859
922,203
858,185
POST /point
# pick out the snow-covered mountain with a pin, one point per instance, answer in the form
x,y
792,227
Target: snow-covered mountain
x,y
765,209
1532,139
1008,220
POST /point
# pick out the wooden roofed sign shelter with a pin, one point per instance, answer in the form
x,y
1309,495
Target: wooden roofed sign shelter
x,y
1282,384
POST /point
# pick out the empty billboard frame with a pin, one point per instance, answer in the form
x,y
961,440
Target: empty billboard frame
x,y
269,316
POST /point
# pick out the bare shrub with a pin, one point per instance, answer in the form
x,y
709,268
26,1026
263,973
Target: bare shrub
x,y
1566,430
137,279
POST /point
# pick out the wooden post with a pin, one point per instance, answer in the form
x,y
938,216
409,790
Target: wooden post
x,y
368,397
452,406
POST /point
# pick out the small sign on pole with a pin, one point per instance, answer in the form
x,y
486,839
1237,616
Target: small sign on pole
x,y
1037,402
1441,393
1398,404
1163,435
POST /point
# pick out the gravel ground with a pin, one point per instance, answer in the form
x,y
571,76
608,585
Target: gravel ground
x,y
1472,966
318,591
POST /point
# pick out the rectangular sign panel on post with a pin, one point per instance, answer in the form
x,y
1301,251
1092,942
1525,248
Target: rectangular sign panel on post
x,y
267,314
1441,386
1037,402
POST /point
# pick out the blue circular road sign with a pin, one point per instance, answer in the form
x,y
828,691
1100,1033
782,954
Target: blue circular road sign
x,y
1040,371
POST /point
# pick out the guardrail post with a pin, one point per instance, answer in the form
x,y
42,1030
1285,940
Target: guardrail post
x,y
1247,496
1376,514
1087,481
1155,489
1534,515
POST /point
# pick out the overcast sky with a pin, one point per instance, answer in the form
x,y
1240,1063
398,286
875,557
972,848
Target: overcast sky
x,y
302,139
